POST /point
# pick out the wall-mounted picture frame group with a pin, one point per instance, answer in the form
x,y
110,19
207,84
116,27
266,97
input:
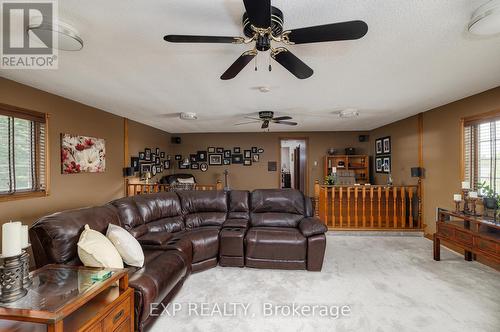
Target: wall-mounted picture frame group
x,y
383,164
383,155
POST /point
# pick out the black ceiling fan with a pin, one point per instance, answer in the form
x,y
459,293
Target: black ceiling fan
x,y
263,24
267,117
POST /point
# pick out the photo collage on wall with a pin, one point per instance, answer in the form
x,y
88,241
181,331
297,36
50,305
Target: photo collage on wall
x,y
383,155
219,156
152,161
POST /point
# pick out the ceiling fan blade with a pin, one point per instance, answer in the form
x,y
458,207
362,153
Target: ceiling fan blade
x,y
259,12
238,65
202,39
288,123
265,124
279,118
253,118
329,32
293,64
244,123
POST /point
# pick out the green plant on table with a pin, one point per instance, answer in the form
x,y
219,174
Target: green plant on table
x,y
330,180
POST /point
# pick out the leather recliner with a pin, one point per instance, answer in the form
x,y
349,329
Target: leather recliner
x,y
190,231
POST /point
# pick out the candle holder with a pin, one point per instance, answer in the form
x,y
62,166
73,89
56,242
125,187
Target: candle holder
x,y
473,206
25,257
11,279
465,194
457,206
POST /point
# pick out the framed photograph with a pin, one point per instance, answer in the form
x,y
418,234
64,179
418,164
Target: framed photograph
x,y
387,164
134,163
158,161
178,157
215,159
193,157
261,150
220,150
145,168
237,159
142,156
272,166
153,170
181,165
147,154
379,168
211,149
153,157
161,169
158,169
82,154
255,158
201,156
195,166
204,167
387,145
162,155
247,154
227,153
166,164
236,150
255,149
378,146
247,162
157,151
226,161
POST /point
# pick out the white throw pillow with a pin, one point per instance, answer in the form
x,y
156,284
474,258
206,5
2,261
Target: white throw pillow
x,y
128,247
187,181
95,250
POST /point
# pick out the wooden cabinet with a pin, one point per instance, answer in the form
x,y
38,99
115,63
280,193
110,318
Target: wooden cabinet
x,y
359,164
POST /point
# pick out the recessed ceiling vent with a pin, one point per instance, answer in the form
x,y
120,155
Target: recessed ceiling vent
x,y
188,116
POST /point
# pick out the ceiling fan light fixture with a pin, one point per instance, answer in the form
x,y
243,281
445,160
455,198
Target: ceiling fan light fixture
x,y
67,36
486,19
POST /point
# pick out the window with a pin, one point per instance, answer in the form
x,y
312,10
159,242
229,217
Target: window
x,y
22,152
481,155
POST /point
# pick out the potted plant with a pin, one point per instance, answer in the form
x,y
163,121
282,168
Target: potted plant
x,y
490,198
330,180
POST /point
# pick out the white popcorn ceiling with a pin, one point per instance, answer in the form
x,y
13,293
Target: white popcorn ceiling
x,y
416,56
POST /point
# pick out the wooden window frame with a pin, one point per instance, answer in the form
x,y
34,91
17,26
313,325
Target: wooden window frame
x,y
469,120
22,113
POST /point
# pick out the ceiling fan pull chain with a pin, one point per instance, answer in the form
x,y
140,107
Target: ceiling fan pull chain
x,y
255,63
270,68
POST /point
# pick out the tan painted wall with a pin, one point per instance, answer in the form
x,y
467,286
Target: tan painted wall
x,y
257,176
441,150
404,150
66,116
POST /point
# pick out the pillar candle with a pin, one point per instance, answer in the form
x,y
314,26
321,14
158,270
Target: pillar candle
x,y
473,194
457,197
465,185
24,236
11,239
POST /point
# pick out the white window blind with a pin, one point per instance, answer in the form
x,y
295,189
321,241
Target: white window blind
x,y
482,153
22,151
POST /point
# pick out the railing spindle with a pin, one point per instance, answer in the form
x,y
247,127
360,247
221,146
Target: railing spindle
x,y
348,207
395,198
403,208
333,206
356,206
341,218
364,206
371,207
410,197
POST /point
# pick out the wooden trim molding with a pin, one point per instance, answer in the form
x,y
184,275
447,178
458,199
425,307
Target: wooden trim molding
x,y
420,128
125,153
483,117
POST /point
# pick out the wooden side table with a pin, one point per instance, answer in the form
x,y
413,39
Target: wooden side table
x,y
68,298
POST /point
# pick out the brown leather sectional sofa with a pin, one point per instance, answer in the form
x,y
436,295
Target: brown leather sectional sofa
x,y
190,231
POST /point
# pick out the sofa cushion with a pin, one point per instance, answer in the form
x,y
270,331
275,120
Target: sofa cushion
x,y
128,247
205,242
157,238
239,205
275,243
54,238
195,220
312,226
96,250
129,214
277,208
160,274
196,201
236,223
171,225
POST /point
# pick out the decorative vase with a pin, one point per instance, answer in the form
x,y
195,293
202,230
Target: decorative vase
x,y
490,202
332,151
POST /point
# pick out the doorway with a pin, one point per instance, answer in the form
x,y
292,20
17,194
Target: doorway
x,y
293,163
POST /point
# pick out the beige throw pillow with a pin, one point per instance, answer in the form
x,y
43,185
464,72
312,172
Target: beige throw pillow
x,y
128,247
95,250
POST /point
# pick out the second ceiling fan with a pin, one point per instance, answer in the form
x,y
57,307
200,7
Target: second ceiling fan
x,y
263,24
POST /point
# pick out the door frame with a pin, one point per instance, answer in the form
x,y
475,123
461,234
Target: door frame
x,y
306,161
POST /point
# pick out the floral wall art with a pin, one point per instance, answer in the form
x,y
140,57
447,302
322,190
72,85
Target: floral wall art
x,y
82,154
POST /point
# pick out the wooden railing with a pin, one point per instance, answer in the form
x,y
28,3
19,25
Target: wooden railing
x,y
369,207
143,188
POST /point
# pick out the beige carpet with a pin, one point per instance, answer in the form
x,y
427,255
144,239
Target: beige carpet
x,y
387,283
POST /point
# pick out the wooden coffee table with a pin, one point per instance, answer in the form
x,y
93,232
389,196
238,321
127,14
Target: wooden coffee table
x,y
68,298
